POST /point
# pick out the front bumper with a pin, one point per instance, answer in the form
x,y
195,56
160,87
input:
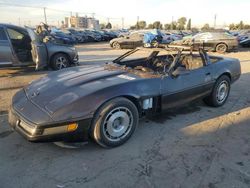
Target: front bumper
x,y
36,133
75,59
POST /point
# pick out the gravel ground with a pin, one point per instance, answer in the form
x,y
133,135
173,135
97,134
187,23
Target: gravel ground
x,y
194,146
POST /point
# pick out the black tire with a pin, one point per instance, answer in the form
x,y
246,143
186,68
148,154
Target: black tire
x,y
216,98
60,61
116,45
125,120
221,48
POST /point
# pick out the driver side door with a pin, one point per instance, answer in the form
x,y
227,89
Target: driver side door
x,y
186,87
38,51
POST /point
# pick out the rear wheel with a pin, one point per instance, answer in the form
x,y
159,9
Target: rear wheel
x,y
220,92
116,45
60,61
114,122
221,48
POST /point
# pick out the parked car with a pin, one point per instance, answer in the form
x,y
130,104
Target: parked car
x,y
22,46
104,102
245,42
134,40
77,35
97,37
220,42
65,38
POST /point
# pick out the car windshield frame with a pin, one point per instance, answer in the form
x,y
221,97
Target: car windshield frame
x,y
153,52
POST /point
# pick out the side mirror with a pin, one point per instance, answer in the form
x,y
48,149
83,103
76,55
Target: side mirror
x,y
179,71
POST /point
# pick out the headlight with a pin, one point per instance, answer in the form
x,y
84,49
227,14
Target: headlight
x,y
29,128
73,48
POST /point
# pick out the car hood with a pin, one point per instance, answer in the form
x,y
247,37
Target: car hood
x,y
58,89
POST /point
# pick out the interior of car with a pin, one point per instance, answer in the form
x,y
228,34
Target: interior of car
x,y
152,64
21,44
157,63
191,61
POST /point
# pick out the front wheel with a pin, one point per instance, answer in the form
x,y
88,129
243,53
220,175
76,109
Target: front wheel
x,y
116,45
220,92
114,122
60,61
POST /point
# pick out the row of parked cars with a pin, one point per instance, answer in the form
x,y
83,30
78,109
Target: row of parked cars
x,y
147,38
74,36
243,37
212,41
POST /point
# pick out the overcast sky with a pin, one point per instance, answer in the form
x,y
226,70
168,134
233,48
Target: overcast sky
x,y
200,11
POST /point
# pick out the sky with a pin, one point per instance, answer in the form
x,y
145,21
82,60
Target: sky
x,y
200,11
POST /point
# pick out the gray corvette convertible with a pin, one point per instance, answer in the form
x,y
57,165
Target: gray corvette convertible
x,y
105,102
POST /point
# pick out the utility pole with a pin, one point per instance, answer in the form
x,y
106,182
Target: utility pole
x,y
44,12
93,15
172,23
107,20
137,23
19,21
215,17
122,23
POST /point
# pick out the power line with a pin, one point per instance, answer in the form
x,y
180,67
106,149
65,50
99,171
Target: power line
x,y
47,8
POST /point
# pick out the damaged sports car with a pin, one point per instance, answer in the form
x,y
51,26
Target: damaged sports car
x,y
105,102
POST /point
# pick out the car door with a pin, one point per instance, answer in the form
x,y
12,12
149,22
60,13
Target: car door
x,y
133,41
205,40
138,41
39,50
187,86
6,55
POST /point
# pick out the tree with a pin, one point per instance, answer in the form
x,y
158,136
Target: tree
x,y
157,25
232,26
102,26
240,25
205,27
189,24
141,25
109,26
181,23
133,27
246,26
174,25
150,26
167,26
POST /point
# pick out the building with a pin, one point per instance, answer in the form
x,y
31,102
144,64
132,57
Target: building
x,y
93,23
82,22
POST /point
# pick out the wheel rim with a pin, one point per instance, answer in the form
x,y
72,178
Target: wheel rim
x,y
61,62
222,92
118,124
221,48
116,45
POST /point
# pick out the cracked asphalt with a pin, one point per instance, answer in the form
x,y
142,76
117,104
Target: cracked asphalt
x,y
194,146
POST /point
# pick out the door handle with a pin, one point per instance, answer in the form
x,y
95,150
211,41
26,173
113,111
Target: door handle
x,y
208,73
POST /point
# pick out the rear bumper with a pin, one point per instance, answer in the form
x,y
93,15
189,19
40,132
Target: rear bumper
x,y
36,133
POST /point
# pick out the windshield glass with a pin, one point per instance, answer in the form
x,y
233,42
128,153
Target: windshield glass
x,y
137,55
